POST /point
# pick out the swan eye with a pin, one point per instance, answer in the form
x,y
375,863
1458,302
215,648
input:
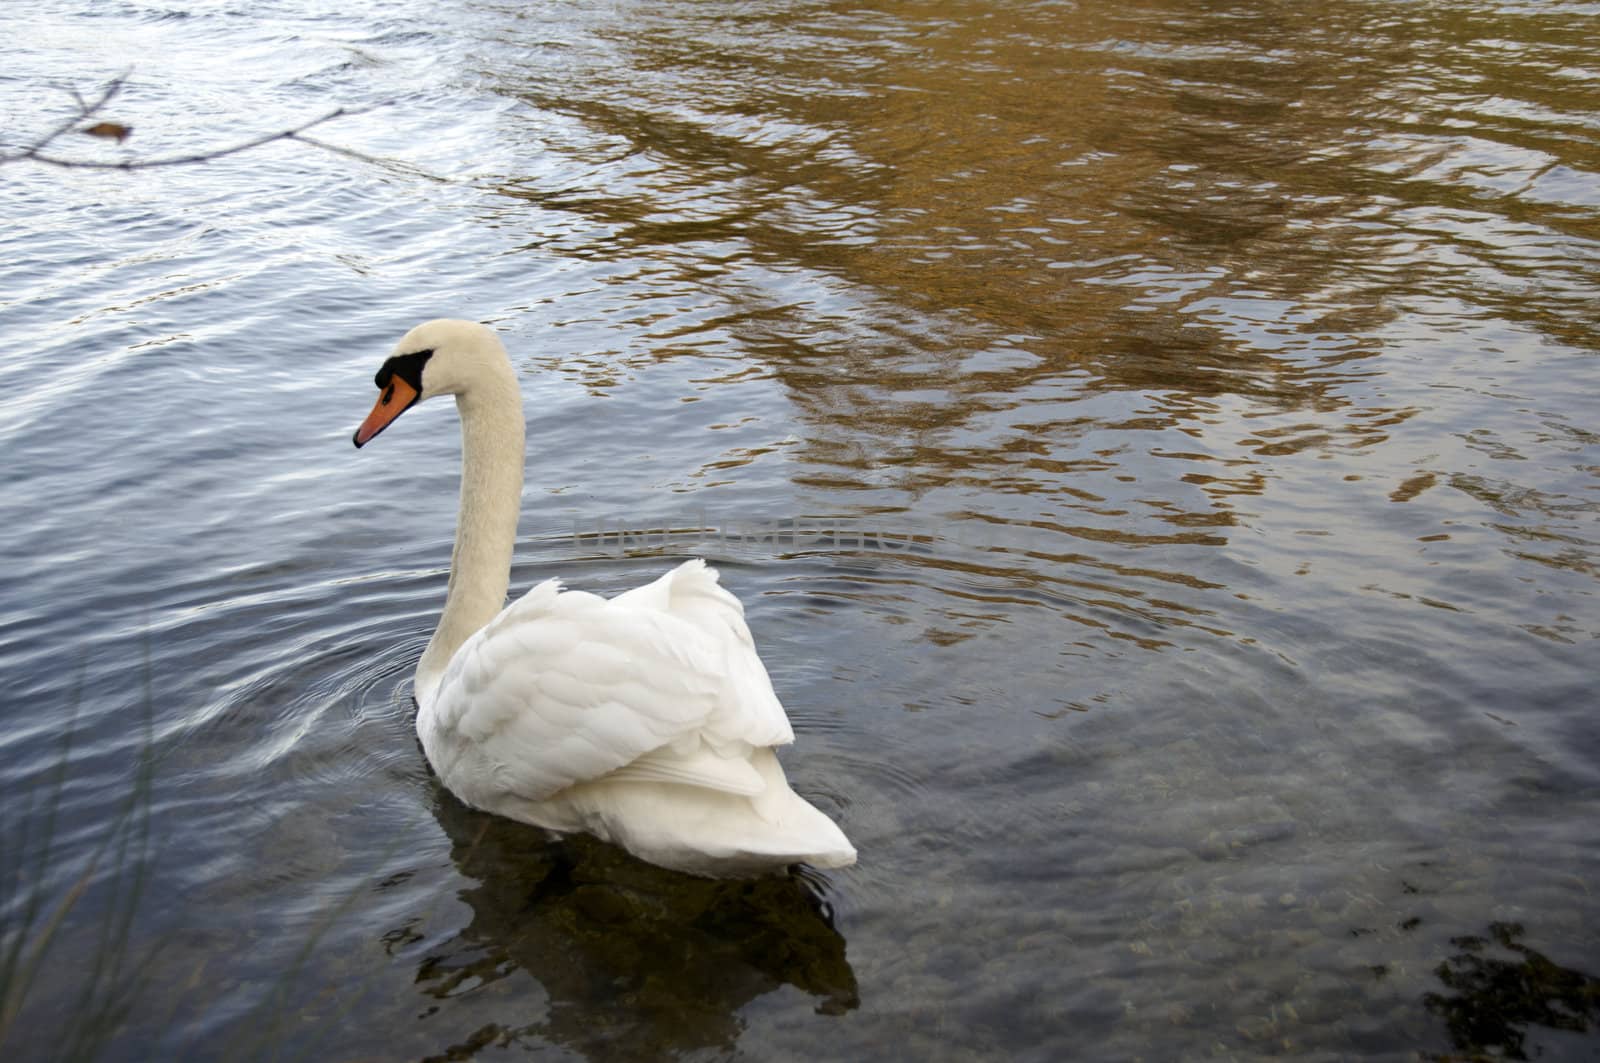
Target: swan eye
x,y
408,367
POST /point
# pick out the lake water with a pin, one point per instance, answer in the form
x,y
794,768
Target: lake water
x,y
1155,442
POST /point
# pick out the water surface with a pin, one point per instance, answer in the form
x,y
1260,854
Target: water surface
x,y
1154,443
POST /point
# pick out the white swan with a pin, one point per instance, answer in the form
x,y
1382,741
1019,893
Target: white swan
x,y
647,719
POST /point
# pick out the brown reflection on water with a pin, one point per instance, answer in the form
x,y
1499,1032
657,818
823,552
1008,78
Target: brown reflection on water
x,y
1072,174
1114,272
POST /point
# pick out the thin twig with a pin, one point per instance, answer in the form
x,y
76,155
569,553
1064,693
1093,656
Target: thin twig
x,y
34,155
85,110
375,160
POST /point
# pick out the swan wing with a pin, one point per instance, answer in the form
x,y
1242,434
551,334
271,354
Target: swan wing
x,y
693,593
655,685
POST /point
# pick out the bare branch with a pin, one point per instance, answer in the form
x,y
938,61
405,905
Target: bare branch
x,y
39,151
375,160
202,156
85,110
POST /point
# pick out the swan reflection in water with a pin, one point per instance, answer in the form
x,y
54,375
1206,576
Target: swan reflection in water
x,y
638,962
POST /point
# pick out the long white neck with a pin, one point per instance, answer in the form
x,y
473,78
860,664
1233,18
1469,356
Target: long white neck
x,y
491,499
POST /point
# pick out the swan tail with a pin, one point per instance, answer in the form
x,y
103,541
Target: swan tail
x,y
802,826
710,832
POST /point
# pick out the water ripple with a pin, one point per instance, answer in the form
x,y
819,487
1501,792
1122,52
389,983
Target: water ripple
x,y
1152,441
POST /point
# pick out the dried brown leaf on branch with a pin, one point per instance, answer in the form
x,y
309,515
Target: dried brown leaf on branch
x,y
109,130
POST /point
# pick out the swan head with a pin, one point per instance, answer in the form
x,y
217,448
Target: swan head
x,y
443,357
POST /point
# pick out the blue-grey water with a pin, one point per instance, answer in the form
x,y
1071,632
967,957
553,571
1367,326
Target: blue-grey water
x,y
1156,444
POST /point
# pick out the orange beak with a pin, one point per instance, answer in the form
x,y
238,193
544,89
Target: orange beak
x,y
392,402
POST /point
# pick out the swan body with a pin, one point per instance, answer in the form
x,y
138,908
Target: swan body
x,y
646,719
